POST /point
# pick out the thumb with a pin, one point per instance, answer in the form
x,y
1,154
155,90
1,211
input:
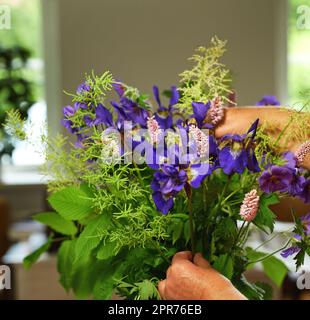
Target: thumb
x,y
201,262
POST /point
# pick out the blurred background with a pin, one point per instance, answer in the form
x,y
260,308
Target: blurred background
x,y
46,46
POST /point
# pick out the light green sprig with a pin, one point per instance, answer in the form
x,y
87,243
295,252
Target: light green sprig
x,y
15,125
209,78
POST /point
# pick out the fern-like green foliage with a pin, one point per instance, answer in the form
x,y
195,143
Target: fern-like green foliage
x,y
209,78
15,125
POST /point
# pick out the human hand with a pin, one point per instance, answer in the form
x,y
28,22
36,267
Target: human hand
x,y
195,279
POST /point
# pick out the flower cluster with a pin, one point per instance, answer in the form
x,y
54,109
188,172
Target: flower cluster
x,y
287,178
134,161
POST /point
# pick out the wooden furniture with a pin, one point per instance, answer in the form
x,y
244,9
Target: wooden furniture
x,y
4,226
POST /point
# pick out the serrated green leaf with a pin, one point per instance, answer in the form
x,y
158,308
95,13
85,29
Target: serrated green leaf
x,y
268,291
147,290
72,203
299,258
65,262
35,255
92,235
106,250
224,264
56,222
265,218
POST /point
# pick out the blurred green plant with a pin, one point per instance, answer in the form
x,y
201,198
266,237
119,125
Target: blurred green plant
x,y
16,90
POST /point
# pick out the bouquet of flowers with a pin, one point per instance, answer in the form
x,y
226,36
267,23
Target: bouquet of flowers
x,y
139,182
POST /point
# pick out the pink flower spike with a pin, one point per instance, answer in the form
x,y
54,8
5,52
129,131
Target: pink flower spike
x,y
154,130
302,152
249,207
201,140
216,111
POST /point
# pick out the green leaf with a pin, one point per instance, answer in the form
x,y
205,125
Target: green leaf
x,y
56,222
274,268
92,235
106,251
250,290
300,258
224,264
35,255
267,289
147,290
186,231
65,262
265,218
72,203
177,231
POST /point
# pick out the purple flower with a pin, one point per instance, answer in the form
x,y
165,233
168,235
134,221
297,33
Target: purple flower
x,y
166,184
305,220
103,116
200,111
275,178
68,112
119,88
129,110
237,152
304,194
290,251
296,185
290,160
164,115
268,101
82,88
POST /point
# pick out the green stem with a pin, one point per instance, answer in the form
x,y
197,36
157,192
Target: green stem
x,y
142,183
191,223
157,247
269,255
265,242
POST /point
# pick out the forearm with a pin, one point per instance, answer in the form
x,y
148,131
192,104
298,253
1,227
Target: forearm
x,y
274,120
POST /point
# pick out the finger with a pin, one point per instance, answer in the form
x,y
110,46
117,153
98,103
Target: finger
x,y
200,261
182,255
162,288
168,272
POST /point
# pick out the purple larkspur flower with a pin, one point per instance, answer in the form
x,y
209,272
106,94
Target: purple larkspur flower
x,y
275,178
268,101
82,88
236,152
164,115
305,220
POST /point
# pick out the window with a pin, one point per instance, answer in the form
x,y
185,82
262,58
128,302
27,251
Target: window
x,y
25,32
298,50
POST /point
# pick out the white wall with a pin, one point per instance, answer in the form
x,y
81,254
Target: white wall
x,y
146,42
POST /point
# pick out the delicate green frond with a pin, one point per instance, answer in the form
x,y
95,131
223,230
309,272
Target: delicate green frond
x,y
208,79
